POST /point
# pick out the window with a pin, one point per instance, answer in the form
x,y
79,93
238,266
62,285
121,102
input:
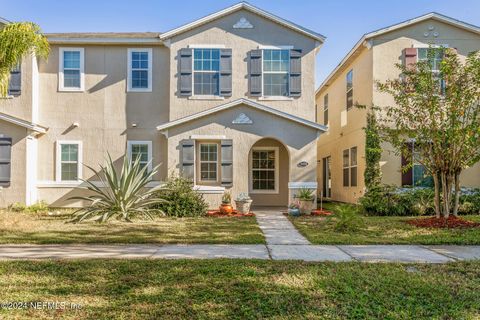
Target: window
x,y
434,57
139,70
69,159
142,149
346,170
71,76
264,164
327,177
206,72
276,66
349,89
350,167
208,162
325,109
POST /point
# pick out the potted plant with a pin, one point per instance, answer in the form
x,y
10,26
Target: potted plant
x,y
226,206
243,203
305,199
294,209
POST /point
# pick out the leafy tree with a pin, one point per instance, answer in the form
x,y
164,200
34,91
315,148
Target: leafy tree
x,y
16,41
439,111
373,153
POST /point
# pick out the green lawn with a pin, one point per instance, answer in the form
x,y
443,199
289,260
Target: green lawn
x,y
241,289
383,230
40,229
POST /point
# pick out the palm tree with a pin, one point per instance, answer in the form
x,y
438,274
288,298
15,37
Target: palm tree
x,y
16,41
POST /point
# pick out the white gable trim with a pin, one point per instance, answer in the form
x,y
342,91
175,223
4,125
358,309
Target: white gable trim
x,y
236,7
247,102
364,40
28,125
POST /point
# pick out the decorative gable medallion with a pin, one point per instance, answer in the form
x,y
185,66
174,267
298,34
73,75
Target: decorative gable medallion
x,y
243,23
242,118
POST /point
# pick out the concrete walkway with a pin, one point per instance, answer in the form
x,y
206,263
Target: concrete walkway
x,y
317,253
284,242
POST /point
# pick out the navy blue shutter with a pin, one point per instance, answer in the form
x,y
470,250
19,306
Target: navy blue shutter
x,y
185,74
15,84
256,73
227,162
225,72
5,161
295,73
188,159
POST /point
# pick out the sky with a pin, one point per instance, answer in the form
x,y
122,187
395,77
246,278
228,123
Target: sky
x,y
342,22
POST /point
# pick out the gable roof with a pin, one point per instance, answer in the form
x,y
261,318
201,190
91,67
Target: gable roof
x,y
23,123
105,37
248,7
406,23
249,103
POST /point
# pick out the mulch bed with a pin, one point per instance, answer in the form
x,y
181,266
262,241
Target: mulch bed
x,y
235,213
450,222
314,213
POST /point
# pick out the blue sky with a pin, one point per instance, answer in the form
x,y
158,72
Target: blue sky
x,y
342,22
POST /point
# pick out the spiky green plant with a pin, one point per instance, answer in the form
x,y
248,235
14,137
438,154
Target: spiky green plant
x,y
121,195
16,41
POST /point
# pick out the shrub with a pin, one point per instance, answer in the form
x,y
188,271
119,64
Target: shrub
x,y
39,207
125,194
393,201
182,200
347,218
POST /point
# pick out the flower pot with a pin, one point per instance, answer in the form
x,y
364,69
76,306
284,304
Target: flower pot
x,y
243,206
226,208
306,206
294,212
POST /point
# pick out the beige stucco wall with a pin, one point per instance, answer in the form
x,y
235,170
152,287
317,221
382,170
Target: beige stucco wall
x,y
105,112
388,50
21,106
345,127
300,146
370,65
17,189
242,41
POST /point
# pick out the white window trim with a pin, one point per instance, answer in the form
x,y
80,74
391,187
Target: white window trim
x,y
200,163
325,108
275,98
130,143
205,96
61,86
277,171
58,170
129,68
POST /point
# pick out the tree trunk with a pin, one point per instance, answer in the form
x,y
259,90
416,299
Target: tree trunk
x,y
457,193
437,194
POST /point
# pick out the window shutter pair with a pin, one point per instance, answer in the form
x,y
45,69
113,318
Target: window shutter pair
x,y
295,74
186,72
15,84
5,161
188,160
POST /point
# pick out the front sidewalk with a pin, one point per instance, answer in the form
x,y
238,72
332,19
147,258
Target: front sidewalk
x,y
316,253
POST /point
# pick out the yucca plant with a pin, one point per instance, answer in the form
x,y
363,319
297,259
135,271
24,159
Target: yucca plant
x,y
16,41
121,195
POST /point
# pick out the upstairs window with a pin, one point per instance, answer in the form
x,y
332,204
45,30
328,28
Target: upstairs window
x,y
349,79
434,57
71,69
276,66
206,72
325,109
140,70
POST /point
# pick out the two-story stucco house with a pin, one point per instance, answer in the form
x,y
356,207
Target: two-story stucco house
x,y
227,100
341,151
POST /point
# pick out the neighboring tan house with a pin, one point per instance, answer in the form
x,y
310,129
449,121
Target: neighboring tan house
x,y
227,100
341,151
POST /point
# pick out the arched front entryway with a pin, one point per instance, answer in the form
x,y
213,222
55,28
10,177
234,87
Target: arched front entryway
x,y
268,173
